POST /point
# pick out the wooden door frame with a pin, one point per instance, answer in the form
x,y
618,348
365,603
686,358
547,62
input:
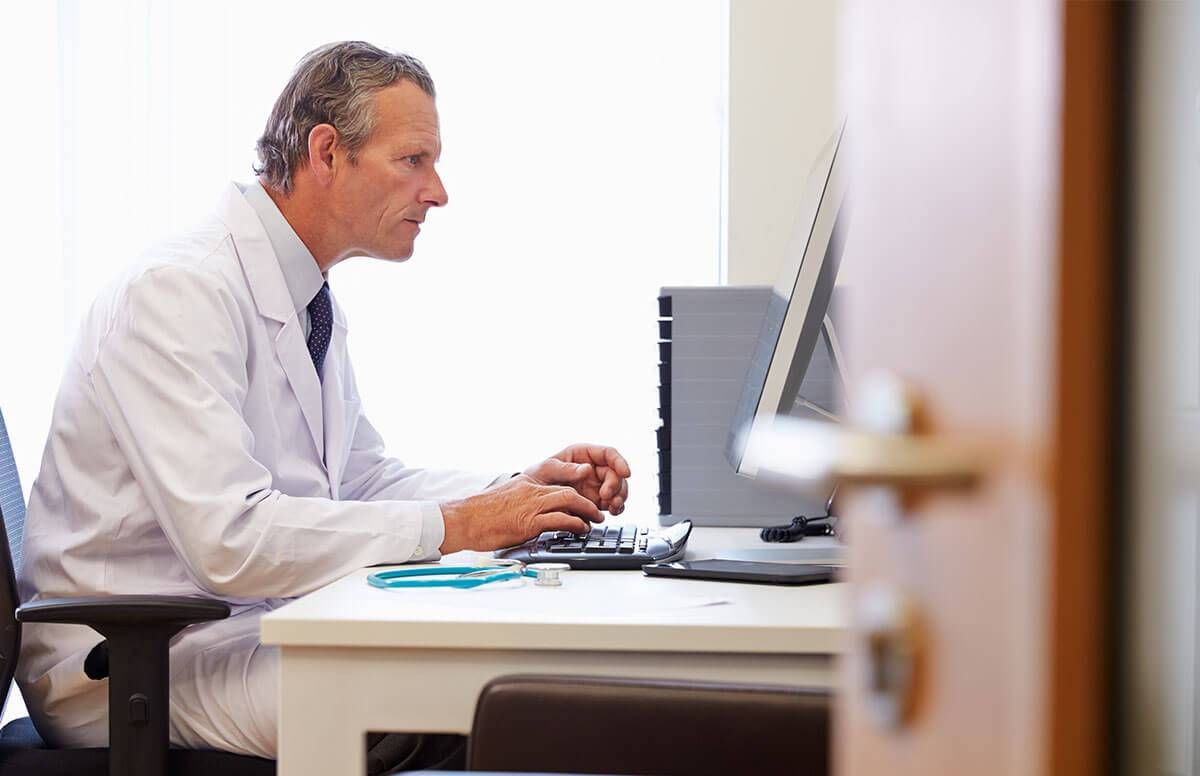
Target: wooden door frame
x,y
1089,471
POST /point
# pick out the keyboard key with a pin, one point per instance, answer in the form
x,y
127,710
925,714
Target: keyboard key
x,y
619,545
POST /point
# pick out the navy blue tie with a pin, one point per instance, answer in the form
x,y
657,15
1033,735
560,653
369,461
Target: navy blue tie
x,y
320,327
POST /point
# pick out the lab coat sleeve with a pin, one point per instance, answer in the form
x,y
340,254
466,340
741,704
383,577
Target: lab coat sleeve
x,y
370,475
170,376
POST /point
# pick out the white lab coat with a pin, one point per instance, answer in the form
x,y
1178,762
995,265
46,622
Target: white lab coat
x,y
194,451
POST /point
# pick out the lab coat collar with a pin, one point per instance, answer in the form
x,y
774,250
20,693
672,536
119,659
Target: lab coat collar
x,y
300,271
253,247
273,300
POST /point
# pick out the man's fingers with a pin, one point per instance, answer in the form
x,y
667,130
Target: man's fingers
x,y
561,521
614,489
607,491
597,472
611,485
600,455
566,499
617,505
617,462
553,471
589,491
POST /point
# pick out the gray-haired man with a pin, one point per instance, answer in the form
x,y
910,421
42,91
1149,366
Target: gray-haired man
x,y
208,438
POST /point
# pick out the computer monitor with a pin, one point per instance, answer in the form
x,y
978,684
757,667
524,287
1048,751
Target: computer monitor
x,y
797,316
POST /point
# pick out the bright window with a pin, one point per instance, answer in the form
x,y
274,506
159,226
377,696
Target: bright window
x,y
582,156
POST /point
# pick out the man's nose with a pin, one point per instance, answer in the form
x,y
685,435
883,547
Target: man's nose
x,y
436,194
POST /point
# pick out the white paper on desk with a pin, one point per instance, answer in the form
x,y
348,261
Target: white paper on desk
x,y
591,603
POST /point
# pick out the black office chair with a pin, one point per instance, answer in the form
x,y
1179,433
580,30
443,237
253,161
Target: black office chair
x,y
133,658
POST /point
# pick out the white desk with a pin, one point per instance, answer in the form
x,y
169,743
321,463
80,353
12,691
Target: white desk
x,y
357,659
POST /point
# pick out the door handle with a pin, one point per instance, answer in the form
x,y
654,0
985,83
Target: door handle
x,y
882,448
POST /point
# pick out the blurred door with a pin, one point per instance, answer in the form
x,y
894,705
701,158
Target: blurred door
x,y
983,249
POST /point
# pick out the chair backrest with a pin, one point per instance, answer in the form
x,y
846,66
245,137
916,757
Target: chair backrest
x,y
553,724
12,511
12,502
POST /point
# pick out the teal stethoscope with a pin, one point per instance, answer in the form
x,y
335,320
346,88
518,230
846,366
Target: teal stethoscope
x,y
466,577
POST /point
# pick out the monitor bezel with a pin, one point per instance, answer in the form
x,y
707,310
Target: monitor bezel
x,y
807,282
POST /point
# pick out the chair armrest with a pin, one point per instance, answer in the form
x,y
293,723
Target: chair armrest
x,y
135,659
124,610
138,621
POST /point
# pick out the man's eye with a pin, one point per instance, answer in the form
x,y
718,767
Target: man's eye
x,y
414,160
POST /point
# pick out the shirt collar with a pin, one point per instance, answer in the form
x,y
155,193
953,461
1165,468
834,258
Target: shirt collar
x,y
300,271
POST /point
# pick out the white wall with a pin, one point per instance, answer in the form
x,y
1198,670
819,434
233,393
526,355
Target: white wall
x,y
32,331
782,110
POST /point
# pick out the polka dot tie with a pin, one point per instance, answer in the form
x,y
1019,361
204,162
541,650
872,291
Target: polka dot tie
x,y
320,319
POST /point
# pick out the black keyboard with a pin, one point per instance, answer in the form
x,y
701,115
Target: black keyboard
x,y
606,547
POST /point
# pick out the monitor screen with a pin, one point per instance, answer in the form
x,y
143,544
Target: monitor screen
x,y
796,314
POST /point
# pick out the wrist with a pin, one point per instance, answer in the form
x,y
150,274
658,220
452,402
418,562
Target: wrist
x,y
456,526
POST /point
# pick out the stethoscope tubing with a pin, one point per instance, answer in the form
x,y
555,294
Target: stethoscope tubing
x,y
400,578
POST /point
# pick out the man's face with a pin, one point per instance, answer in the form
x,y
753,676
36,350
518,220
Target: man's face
x,y
381,200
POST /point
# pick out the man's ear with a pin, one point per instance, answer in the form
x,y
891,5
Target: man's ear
x,y
322,141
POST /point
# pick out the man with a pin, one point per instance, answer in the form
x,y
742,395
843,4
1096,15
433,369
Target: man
x,y
208,438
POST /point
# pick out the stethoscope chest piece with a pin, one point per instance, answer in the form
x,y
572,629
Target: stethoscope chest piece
x,y
548,574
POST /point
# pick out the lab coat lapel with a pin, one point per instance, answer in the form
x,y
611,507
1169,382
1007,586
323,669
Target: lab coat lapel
x,y
339,408
271,296
297,364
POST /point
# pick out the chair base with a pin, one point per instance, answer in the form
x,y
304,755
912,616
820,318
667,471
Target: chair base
x,y
22,751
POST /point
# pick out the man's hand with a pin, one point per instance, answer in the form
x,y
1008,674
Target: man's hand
x,y
512,512
599,474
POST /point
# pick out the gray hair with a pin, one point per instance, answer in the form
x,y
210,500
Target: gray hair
x,y
333,85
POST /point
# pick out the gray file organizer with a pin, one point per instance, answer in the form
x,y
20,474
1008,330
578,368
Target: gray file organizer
x,y
706,338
